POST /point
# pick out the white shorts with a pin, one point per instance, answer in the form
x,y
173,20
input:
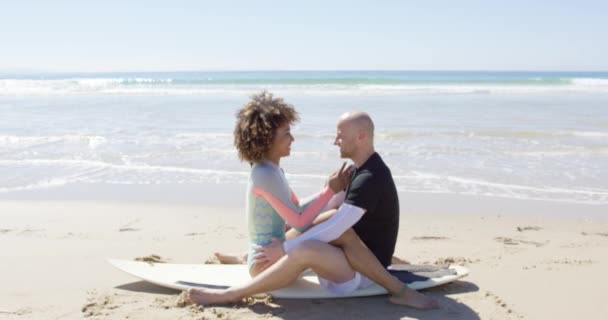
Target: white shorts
x,y
346,216
359,281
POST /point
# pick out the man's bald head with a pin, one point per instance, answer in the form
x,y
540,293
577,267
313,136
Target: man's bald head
x,y
358,120
355,136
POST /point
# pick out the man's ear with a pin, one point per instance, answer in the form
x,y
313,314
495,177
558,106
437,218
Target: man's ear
x,y
361,134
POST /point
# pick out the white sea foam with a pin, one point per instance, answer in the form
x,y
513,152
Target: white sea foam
x,y
92,141
500,146
43,184
434,183
88,171
590,134
134,173
590,82
120,167
151,86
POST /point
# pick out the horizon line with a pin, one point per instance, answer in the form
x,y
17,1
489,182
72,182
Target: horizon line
x,y
34,71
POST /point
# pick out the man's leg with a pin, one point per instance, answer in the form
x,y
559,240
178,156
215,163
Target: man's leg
x,y
236,258
241,258
365,262
326,260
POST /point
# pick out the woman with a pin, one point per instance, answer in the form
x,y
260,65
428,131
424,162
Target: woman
x,y
262,137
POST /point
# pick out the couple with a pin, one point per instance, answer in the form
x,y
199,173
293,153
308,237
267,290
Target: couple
x,y
320,237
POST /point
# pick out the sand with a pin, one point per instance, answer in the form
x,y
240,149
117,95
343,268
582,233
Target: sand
x,y
528,260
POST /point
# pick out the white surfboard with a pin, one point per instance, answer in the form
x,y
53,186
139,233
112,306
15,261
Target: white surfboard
x,y
186,276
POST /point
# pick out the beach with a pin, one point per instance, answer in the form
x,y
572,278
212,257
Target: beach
x,y
504,173
527,260
120,123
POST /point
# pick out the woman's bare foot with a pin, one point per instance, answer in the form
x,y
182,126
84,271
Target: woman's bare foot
x,y
230,258
397,260
205,296
412,298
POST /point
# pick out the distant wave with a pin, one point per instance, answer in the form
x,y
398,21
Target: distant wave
x,y
161,86
388,135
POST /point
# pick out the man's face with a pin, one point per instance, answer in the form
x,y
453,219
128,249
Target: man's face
x,y
346,139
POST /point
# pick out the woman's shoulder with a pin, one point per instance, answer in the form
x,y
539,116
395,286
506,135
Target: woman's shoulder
x,y
264,166
263,170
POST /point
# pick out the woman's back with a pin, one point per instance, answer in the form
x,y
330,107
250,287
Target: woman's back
x,y
263,220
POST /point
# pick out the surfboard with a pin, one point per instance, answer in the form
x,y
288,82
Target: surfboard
x,y
187,276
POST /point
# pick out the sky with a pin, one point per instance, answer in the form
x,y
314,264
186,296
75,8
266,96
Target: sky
x,y
107,36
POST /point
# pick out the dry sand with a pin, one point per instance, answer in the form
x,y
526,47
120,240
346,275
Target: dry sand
x,y
528,260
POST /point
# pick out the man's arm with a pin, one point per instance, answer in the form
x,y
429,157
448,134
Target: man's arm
x,y
291,233
336,223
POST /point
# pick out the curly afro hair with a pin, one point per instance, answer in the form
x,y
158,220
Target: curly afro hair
x,y
256,125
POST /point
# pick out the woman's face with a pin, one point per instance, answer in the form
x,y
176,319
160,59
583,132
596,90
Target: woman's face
x,y
281,146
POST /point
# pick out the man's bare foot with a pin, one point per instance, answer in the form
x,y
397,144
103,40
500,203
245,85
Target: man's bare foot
x,y
230,258
412,298
205,296
397,260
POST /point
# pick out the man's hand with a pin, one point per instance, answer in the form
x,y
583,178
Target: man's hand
x,y
269,254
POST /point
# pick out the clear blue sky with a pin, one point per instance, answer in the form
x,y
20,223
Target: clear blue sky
x,y
303,35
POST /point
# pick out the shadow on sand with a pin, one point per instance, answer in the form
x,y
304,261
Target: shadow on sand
x,y
147,287
377,307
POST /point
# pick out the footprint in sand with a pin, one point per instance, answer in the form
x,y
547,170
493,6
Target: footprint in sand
x,y
18,312
572,262
32,233
428,238
575,245
112,306
195,234
601,234
556,263
98,305
500,303
514,242
151,259
73,235
452,260
127,226
529,228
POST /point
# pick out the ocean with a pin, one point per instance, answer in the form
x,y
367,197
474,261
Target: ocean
x,y
520,135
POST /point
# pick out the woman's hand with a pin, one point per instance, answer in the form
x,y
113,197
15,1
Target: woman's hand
x,y
269,254
340,179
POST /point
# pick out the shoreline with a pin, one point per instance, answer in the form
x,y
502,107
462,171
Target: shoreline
x,y
231,195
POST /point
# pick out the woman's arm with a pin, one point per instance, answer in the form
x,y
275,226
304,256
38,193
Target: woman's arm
x,y
295,216
269,183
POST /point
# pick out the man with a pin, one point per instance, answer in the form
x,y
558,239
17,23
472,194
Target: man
x,y
368,246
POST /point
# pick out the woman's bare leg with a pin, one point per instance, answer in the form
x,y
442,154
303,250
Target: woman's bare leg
x,y
397,260
231,258
241,258
324,259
